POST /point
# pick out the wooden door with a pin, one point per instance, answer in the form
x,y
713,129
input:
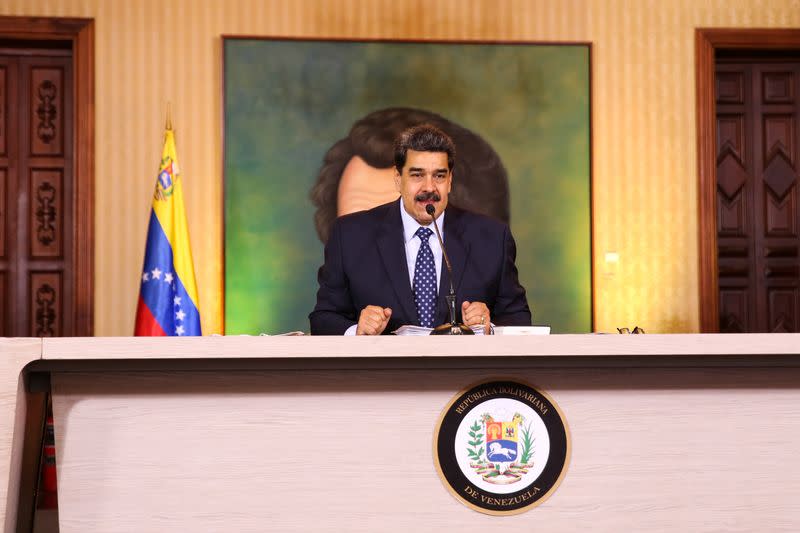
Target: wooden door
x,y
37,244
758,145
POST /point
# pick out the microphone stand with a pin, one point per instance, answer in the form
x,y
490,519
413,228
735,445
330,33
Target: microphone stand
x,y
454,327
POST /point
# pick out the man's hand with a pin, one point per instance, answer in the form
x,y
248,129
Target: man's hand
x,y
373,320
476,314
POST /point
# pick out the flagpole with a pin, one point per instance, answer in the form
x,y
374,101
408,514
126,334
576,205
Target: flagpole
x,y
168,290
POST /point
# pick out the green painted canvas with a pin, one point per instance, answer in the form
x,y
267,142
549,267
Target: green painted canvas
x,y
287,102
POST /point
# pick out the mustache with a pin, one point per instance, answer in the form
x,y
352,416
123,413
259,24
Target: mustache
x,y
425,196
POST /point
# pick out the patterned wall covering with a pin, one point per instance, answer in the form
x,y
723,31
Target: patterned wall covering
x,y
149,52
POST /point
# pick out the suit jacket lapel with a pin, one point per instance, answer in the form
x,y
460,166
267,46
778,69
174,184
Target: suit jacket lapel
x,y
457,251
392,249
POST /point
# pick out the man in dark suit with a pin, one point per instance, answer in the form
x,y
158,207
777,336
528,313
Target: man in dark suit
x,y
382,268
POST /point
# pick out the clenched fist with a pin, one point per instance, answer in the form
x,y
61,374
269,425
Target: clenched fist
x,y
476,314
373,320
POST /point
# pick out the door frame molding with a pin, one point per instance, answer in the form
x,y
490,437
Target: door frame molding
x,y
707,42
80,32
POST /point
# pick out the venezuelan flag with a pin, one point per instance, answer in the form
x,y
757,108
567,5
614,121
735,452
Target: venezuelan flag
x,y
168,294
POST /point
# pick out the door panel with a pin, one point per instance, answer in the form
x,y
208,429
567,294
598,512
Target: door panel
x,y
37,252
758,113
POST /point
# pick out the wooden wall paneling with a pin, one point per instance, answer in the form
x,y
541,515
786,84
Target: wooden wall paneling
x,y
780,208
47,110
55,210
777,238
757,216
735,305
732,176
8,122
4,327
46,213
3,170
782,309
707,182
52,272
734,198
7,173
730,87
776,88
3,110
83,234
3,215
19,282
46,305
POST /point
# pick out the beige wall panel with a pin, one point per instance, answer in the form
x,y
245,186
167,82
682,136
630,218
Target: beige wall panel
x,y
150,52
682,449
14,355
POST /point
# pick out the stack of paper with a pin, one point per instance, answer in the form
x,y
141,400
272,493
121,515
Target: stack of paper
x,y
522,330
415,331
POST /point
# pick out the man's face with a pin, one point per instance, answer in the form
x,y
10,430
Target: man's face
x,y
426,179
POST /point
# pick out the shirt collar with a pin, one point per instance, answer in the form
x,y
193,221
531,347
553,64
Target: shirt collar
x,y
410,226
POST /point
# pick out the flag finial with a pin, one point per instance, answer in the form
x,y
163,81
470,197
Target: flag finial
x,y
169,117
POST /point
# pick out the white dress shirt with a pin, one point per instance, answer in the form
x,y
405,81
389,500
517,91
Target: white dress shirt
x,y
412,244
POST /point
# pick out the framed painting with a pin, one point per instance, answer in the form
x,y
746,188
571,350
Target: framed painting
x,y
308,130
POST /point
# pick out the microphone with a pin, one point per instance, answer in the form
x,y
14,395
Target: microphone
x,y
431,211
453,328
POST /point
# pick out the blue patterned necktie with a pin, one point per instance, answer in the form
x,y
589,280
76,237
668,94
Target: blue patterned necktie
x,y
425,280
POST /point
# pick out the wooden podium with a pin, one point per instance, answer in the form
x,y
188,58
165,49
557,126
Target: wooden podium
x,y
668,432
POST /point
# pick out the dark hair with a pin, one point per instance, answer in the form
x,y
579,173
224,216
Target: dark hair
x,y
423,138
480,182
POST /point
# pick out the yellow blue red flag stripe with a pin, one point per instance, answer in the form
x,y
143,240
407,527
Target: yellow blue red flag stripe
x,y
168,303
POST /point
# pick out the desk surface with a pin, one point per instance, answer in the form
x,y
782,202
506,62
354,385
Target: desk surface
x,y
594,345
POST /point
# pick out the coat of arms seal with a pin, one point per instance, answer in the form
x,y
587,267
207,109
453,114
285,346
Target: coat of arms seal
x,y
501,447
